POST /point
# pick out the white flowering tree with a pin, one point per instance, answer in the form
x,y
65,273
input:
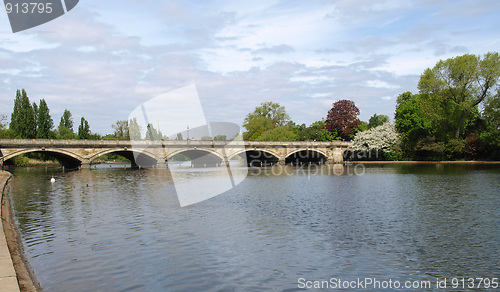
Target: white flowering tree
x,y
383,137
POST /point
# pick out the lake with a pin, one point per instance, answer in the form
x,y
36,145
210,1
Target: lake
x,y
280,229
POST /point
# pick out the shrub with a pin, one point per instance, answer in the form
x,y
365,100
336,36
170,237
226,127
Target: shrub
x,y
381,143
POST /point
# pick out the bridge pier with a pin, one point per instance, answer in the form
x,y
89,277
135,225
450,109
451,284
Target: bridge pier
x,y
161,163
85,164
338,155
281,161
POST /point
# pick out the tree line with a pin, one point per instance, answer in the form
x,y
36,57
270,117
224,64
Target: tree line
x,y
455,115
33,121
270,122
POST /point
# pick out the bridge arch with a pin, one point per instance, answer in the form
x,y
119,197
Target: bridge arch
x,y
66,158
306,156
199,157
137,157
257,157
349,154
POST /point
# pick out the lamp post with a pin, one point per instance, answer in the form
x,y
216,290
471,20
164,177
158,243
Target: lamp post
x,y
188,132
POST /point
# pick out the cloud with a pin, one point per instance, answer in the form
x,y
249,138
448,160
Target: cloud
x,y
278,50
105,58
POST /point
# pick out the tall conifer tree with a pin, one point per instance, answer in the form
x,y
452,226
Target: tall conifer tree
x,y
44,121
23,121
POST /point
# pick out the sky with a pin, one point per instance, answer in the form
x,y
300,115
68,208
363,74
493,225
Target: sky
x,y
103,59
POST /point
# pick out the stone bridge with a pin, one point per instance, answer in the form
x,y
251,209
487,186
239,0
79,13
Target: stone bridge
x,y
81,153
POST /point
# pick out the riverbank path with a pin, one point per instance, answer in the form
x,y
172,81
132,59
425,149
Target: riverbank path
x,y
8,278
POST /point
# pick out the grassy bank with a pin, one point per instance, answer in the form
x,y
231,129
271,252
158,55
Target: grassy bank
x,y
32,159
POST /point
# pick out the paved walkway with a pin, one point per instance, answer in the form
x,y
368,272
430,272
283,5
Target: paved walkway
x,y
8,279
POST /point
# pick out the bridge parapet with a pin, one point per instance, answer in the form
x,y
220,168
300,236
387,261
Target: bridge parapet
x,y
60,142
108,142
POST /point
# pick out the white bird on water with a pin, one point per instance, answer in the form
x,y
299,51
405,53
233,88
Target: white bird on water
x,y
52,180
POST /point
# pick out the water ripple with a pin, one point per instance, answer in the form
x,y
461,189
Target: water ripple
x,y
123,230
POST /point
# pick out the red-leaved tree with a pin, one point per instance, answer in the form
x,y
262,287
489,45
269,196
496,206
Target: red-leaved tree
x,y
343,119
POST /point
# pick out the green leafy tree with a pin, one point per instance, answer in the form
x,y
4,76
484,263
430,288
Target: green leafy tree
x,y
109,137
65,128
363,126
23,123
267,116
65,133
5,132
255,126
491,112
490,137
152,134
343,119
95,136
453,87
315,132
45,124
121,130
377,120
67,120
220,137
15,118
411,122
3,122
35,114
282,133
84,129
134,129
28,129
297,128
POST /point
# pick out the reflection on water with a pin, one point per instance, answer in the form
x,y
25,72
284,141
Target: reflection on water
x,y
121,229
